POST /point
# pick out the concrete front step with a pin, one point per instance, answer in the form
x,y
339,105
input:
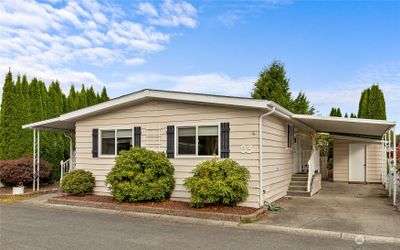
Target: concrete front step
x,y
298,183
299,188
299,178
298,193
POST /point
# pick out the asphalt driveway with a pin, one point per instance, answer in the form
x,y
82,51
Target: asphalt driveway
x,y
341,207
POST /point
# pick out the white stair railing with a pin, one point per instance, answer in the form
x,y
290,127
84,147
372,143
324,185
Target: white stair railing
x,y
66,167
313,166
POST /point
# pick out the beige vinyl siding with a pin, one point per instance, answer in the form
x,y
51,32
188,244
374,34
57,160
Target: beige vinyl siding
x,y
277,159
340,160
153,118
374,160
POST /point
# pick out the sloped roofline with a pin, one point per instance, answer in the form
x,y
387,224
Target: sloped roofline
x,y
145,94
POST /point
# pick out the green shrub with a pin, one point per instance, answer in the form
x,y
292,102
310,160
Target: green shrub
x,y
78,182
140,174
218,182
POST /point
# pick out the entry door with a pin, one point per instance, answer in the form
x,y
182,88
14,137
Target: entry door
x,y
357,162
298,160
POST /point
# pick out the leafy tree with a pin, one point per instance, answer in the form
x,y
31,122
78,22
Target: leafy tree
x,y
372,104
273,85
301,105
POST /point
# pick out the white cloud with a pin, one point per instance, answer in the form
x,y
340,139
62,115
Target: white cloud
x,y
58,39
212,83
135,61
170,13
147,9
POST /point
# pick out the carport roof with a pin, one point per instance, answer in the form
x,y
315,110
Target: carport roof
x,y
341,125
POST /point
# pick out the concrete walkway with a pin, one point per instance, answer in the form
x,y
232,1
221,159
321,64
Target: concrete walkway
x,y
340,207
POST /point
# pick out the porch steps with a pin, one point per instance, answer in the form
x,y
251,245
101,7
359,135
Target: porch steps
x,y
298,186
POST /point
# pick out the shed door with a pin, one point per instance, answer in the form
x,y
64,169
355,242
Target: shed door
x,y
357,162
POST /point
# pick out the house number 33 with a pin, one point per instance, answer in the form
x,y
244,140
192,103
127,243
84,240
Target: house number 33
x,y
246,149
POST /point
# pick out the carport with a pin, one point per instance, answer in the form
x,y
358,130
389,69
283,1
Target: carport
x,y
363,147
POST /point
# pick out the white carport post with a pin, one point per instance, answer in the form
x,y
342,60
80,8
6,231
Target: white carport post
x,y
36,160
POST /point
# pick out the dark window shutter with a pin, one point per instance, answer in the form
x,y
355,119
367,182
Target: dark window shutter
x,y
137,141
170,141
225,140
95,142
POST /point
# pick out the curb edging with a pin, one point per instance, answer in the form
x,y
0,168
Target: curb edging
x,y
163,211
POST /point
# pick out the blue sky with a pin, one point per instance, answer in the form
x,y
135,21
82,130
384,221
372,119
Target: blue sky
x,y
331,49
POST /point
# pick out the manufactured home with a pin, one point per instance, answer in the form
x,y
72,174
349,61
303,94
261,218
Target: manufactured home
x,y
277,146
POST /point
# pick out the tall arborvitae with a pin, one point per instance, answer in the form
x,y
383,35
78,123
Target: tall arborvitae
x,y
36,101
91,96
8,132
104,97
372,104
82,98
336,112
72,103
24,103
363,104
56,140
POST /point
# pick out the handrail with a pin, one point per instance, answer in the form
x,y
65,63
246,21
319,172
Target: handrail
x,y
67,166
310,171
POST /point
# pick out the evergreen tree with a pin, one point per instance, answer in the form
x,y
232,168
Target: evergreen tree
x,y
301,105
36,101
273,85
363,104
372,104
72,102
335,112
82,98
91,97
345,115
8,131
104,97
352,115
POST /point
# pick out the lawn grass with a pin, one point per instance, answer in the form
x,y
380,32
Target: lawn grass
x,y
13,199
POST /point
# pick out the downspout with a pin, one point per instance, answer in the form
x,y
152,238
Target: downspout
x,y
260,150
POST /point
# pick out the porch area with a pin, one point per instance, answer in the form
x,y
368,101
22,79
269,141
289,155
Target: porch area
x,y
340,207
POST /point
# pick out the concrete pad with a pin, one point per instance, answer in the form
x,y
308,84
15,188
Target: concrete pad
x,y
340,207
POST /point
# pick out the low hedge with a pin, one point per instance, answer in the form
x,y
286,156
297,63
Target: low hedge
x,y
14,172
79,182
216,182
141,175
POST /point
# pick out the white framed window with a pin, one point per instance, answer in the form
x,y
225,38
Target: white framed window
x,y
112,141
289,136
197,140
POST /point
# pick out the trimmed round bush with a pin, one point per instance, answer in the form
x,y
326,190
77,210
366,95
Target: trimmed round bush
x,y
140,174
14,172
78,182
216,182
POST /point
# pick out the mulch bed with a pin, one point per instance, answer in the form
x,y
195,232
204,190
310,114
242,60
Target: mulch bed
x,y
43,188
169,207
